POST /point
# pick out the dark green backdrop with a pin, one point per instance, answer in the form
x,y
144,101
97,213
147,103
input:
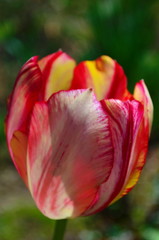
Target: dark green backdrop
x,y
127,30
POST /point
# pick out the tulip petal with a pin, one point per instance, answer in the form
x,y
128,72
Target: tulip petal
x,y
142,95
70,153
104,75
125,120
22,98
137,161
18,145
57,70
138,156
26,92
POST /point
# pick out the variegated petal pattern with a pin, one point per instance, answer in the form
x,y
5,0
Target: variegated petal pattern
x,y
27,90
76,135
57,70
125,120
70,152
104,75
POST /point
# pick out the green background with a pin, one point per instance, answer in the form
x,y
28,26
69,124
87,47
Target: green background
x,y
126,30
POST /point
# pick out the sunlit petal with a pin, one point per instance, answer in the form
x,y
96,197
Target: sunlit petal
x,y
104,75
57,70
125,120
70,153
141,94
27,90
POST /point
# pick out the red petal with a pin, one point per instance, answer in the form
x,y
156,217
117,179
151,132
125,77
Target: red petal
x,y
57,70
137,161
70,153
104,75
125,120
25,94
138,156
27,90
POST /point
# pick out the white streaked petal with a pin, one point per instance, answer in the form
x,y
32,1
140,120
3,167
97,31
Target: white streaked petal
x,y
70,153
125,119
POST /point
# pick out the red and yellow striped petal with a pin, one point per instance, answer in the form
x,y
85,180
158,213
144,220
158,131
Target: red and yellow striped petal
x,y
137,161
70,153
27,90
57,70
138,156
104,75
125,119
142,95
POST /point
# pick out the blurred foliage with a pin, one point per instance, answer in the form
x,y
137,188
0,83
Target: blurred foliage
x,y
126,30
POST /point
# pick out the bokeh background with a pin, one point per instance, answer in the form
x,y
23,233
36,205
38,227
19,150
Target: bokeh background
x,y
128,31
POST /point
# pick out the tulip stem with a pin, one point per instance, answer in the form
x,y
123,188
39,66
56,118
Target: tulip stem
x,y
59,231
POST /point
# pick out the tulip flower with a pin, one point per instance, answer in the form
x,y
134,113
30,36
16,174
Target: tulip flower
x,y
77,136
